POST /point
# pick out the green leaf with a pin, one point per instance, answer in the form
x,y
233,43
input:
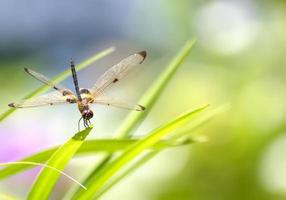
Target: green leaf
x,y
89,146
47,178
130,153
148,100
181,136
126,172
151,95
199,122
60,77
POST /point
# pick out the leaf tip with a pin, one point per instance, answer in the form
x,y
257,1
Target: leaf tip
x,y
82,134
205,106
191,41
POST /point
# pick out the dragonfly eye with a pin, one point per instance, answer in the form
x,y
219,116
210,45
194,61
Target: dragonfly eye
x,y
87,114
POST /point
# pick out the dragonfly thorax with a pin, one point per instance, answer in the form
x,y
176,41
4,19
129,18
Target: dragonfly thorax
x,y
86,95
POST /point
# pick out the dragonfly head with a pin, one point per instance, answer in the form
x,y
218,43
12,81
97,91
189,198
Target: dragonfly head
x,y
87,114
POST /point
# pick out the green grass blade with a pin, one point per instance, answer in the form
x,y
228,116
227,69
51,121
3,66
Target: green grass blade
x,y
138,164
47,178
127,172
60,77
6,113
199,122
150,96
133,151
44,166
181,136
89,146
148,100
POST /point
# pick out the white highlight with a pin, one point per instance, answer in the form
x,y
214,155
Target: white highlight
x,y
226,27
46,166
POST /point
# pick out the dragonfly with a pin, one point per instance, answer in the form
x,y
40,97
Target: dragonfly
x,y
85,97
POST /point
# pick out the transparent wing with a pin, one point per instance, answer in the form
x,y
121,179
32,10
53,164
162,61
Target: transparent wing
x,y
117,72
52,98
43,79
109,101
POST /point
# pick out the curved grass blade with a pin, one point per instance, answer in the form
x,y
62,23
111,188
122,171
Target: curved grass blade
x,y
138,164
199,122
151,95
47,178
60,77
89,146
133,151
181,136
148,100
127,172
44,166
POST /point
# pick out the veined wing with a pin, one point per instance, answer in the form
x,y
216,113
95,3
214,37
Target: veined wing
x,y
53,98
109,101
43,79
117,72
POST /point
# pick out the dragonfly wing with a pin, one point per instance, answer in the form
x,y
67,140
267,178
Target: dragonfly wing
x,y
53,98
109,101
43,79
117,72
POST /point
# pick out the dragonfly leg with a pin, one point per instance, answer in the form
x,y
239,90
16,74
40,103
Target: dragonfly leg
x,y
78,125
85,122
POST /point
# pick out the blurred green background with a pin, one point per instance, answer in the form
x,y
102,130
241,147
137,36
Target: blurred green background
x,y
238,59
